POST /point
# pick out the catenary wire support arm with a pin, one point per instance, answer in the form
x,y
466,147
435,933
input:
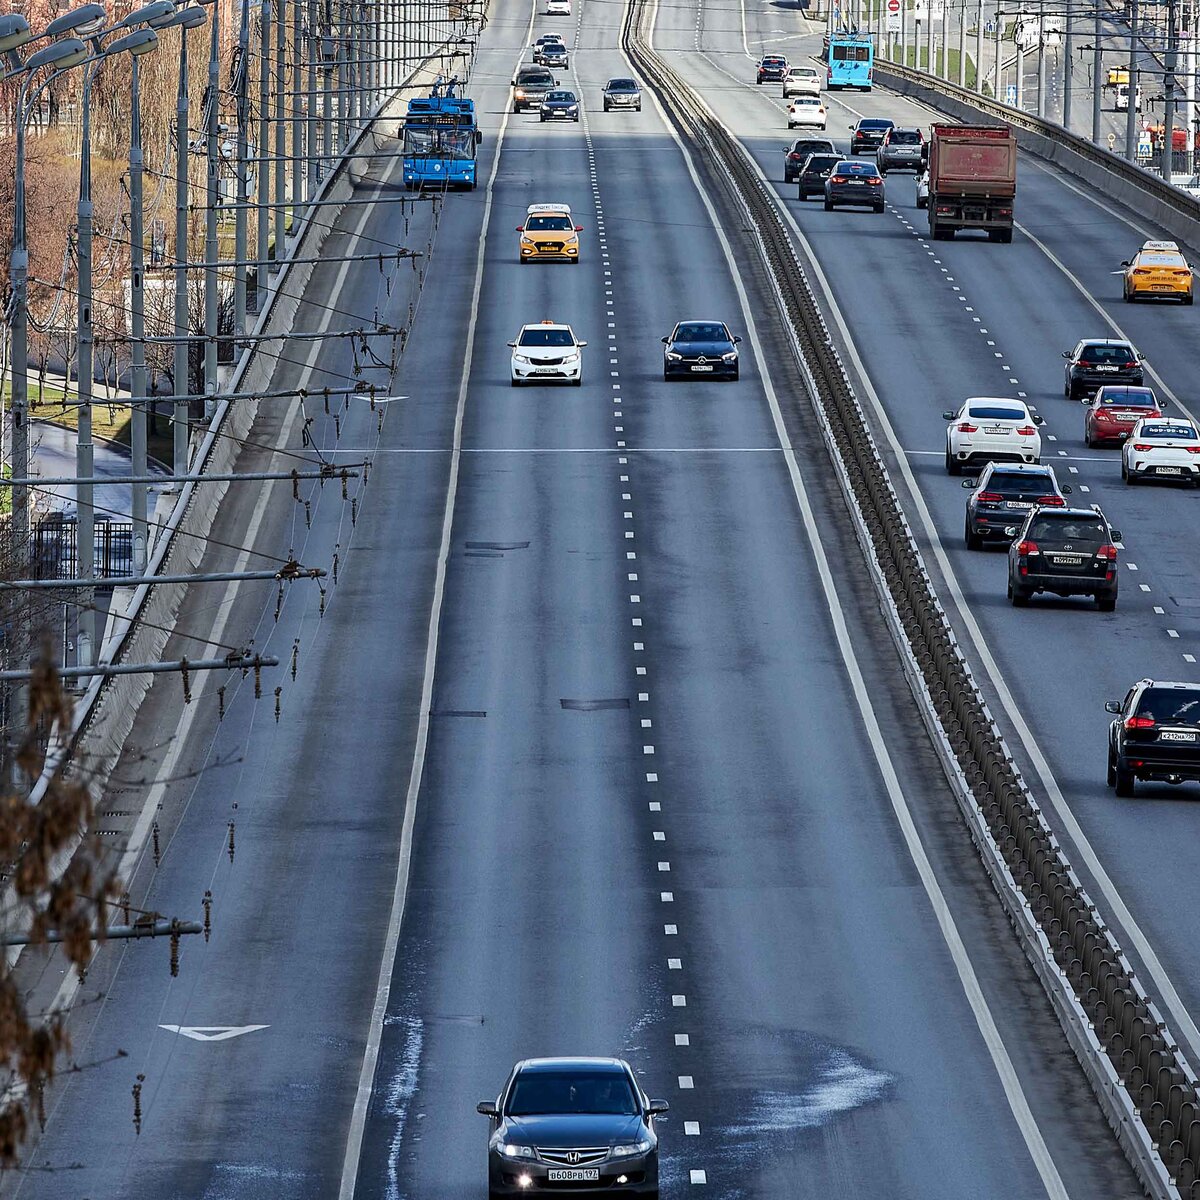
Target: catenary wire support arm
x,y
159,927
287,574
326,473
234,662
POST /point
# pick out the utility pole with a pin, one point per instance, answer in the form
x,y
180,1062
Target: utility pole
x,y
85,535
979,50
1020,67
1041,60
299,173
1172,58
1068,66
182,372
1131,113
281,90
962,44
137,328
1097,79
262,184
1189,102
996,64
242,208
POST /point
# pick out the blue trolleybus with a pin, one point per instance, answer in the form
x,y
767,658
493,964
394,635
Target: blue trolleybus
x,y
440,140
849,60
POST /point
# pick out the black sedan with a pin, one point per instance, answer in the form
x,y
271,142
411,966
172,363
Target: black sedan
x,y
572,1125
868,133
560,106
622,93
1156,735
856,184
797,154
700,348
1001,497
1065,551
1098,361
817,168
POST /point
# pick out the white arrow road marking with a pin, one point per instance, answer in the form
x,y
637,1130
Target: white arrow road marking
x,y
212,1033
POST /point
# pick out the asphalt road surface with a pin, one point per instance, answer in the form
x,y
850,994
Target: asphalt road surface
x,y
601,745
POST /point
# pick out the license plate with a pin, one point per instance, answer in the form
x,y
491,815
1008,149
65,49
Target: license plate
x,y
1066,560
857,183
545,370
574,1174
996,429
1019,504
704,367
1168,470
1105,368
1174,735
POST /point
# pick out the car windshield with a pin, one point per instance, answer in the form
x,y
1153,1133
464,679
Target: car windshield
x,y
997,412
561,97
1012,483
874,123
1177,433
546,337
535,79
773,62
1127,397
806,102
701,332
802,73
1106,354
1068,529
904,137
622,85
846,167
537,1093
542,224
812,147
820,162
1169,705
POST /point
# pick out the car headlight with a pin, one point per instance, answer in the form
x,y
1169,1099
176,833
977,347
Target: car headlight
x,y
520,358
571,356
571,240
642,1147
729,357
510,1150
673,357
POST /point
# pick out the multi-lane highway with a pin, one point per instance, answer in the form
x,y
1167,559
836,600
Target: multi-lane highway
x,y
601,745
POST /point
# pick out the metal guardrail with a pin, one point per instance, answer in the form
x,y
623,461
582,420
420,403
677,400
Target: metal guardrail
x,y
1157,1081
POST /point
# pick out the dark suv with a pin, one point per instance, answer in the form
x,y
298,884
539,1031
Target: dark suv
x,y
530,88
798,152
817,168
1003,494
1156,735
901,150
572,1125
1067,551
773,67
868,133
1097,361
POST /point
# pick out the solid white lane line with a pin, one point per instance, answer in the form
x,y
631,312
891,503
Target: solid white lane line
x,y
387,964
1010,1081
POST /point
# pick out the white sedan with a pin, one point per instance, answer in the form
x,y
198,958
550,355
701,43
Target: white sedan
x,y
990,429
807,111
801,81
547,353
923,189
1162,448
558,8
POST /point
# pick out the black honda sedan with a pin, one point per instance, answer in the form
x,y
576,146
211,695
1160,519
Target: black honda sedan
x,y
700,348
572,1125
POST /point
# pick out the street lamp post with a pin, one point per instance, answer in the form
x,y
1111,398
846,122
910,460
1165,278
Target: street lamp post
x,y
262,182
1131,113
212,202
242,207
1041,60
979,49
1097,72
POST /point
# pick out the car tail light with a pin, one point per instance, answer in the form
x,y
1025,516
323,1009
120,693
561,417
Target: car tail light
x,y
1108,553
1193,449
875,179
794,156
1028,548
1139,722
1130,364
1027,431
966,427
1142,447
1051,501
990,497
945,208
1142,271
837,179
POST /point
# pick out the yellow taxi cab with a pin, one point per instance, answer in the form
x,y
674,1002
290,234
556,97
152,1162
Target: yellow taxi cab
x,y
549,233
1158,269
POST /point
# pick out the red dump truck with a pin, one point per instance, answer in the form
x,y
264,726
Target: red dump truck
x,y
972,180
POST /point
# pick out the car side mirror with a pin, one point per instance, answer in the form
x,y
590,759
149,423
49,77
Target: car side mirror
x,y
512,83
1039,420
479,137
520,228
657,1107
1124,262
1066,489
487,1108
948,416
1116,535
556,83
581,343
1087,401
665,341
850,127
970,484
513,345
736,340
1112,706
578,228
1066,354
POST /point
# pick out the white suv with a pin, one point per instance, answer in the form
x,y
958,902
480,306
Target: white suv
x,y
547,353
1162,448
990,429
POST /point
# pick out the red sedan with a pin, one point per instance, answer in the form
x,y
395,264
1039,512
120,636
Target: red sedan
x,y
1114,410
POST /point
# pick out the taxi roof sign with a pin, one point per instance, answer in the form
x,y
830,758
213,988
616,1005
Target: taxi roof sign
x,y
1152,245
548,208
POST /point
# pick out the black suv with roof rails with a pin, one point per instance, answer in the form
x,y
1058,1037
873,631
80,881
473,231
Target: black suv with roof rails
x,y
1156,735
1097,361
1066,551
1003,494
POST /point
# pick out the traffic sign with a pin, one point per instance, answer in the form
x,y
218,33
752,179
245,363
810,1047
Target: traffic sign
x,y
893,16
1010,95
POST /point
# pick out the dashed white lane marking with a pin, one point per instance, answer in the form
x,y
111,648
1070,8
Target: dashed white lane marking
x,y
697,1176
1132,566
1158,608
671,930
667,898
690,1128
1174,633
685,1082
1144,586
1189,658
678,1001
674,964
659,836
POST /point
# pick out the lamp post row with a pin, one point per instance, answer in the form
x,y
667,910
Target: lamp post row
x,y
364,43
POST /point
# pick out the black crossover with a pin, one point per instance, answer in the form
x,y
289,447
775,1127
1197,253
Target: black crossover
x,y
572,1126
1156,735
1099,361
1066,551
700,348
796,155
1001,497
